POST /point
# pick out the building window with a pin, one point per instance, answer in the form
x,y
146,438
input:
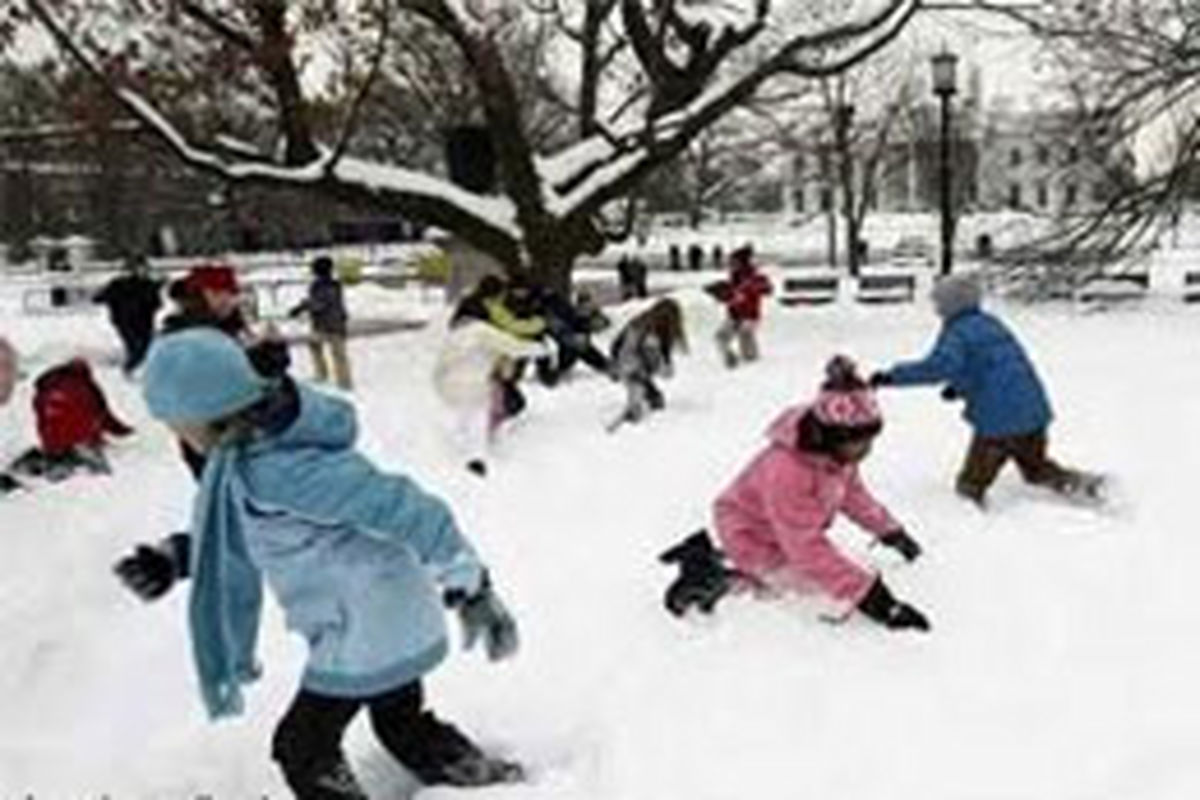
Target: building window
x,y
1014,157
1073,154
826,199
1070,195
1014,195
1043,154
1043,196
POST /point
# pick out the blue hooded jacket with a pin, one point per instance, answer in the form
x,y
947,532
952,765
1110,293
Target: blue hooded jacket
x,y
355,557
983,361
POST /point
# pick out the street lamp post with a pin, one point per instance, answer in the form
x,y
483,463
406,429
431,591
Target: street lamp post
x,y
944,86
843,118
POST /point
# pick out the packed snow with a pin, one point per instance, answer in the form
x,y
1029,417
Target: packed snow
x,y
1062,662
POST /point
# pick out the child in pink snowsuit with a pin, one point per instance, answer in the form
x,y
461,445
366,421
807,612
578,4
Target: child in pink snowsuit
x,y
772,521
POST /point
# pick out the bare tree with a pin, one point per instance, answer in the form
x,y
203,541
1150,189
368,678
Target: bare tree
x,y
1131,71
639,105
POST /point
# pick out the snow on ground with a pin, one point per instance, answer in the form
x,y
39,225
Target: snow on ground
x,y
1062,664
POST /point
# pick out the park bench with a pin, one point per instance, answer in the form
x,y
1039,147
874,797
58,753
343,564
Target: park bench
x,y
900,288
1113,288
1191,287
808,290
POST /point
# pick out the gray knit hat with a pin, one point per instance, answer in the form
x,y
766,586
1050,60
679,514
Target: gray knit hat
x,y
955,294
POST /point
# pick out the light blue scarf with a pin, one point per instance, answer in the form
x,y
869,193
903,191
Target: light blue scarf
x,y
226,599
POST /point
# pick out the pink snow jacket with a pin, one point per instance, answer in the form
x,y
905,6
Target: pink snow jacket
x,y
776,513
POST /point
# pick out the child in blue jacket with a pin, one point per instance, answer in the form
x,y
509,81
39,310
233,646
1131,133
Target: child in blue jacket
x,y
980,361
355,557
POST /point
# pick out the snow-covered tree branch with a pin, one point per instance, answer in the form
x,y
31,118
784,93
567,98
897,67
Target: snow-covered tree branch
x,y
582,100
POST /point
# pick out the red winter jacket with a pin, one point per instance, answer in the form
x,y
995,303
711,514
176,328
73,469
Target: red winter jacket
x,y
71,409
747,288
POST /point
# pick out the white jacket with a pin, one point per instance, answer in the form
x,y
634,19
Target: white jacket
x,y
468,358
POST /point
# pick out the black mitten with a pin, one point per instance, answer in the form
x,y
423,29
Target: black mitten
x,y
153,569
950,394
881,606
900,541
879,379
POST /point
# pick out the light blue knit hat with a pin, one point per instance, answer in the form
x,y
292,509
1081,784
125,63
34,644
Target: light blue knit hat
x,y
198,375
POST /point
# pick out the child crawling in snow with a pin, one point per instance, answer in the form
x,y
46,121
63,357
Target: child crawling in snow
x,y
361,562
773,520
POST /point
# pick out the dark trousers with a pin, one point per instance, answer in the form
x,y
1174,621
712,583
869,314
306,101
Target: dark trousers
x,y
550,372
308,739
987,455
136,340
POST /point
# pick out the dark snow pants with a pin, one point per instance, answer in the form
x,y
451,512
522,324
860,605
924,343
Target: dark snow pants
x,y
136,340
309,737
987,455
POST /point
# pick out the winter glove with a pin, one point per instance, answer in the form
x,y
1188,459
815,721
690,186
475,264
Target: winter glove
x,y
901,542
482,615
880,378
950,394
881,606
153,569
9,484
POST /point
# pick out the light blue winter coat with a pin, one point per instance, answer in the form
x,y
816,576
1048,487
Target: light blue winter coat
x,y
355,557
979,356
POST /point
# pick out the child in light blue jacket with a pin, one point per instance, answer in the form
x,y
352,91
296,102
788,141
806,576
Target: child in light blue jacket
x,y
356,558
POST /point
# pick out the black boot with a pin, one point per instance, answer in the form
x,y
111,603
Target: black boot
x,y
333,781
307,747
451,759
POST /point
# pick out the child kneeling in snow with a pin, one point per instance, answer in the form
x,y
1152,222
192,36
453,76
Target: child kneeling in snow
x,y
350,552
773,519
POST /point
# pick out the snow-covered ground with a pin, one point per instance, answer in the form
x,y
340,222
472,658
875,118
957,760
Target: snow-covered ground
x,y
1063,662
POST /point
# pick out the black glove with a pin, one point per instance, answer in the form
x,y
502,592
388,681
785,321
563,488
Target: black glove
x,y
153,569
880,378
881,606
950,394
900,541
482,615
9,484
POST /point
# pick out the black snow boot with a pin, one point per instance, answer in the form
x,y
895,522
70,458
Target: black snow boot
x,y
331,781
449,758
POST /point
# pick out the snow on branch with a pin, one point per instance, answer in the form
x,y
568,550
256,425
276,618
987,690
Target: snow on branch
x,y
589,173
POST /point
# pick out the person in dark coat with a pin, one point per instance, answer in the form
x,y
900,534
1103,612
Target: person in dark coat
x,y
326,310
979,360
571,329
133,299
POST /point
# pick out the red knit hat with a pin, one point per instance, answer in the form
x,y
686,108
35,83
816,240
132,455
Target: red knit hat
x,y
845,400
213,278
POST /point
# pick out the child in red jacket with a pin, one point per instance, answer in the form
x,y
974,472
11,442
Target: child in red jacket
x,y
742,295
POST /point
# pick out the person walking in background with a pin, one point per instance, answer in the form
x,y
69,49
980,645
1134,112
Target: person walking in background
x,y
979,360
742,294
133,300
326,310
